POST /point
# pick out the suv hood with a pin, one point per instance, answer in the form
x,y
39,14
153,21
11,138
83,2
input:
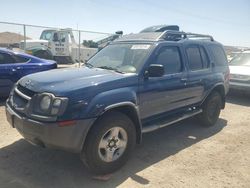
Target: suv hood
x,y
66,81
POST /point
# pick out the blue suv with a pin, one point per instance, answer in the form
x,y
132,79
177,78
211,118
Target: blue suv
x,y
137,84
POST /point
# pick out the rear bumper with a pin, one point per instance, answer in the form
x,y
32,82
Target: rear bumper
x,y
240,86
50,135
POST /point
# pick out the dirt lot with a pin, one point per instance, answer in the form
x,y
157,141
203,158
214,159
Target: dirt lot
x,y
181,155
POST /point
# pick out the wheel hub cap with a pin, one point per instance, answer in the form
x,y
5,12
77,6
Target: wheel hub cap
x,y
113,144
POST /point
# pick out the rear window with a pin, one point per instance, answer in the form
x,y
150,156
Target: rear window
x,y
219,55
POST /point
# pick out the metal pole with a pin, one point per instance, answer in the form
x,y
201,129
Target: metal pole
x,y
79,49
24,35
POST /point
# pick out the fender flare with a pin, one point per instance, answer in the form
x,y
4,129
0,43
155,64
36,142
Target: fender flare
x,y
212,89
133,114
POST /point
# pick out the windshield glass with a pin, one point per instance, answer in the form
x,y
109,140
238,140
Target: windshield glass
x,y
126,58
241,60
46,35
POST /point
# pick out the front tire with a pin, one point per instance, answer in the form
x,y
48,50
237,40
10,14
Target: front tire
x,y
211,109
109,143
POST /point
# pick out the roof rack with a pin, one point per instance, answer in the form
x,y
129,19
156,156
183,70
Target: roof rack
x,y
178,35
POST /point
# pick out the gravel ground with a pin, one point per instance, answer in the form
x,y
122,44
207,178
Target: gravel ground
x,y
181,155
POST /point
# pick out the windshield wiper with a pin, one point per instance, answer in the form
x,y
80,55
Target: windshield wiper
x,y
89,65
110,68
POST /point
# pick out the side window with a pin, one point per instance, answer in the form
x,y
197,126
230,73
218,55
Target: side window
x,y
219,55
20,59
170,58
55,37
204,58
6,58
194,58
62,37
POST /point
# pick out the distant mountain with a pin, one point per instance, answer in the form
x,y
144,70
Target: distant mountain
x,y
10,38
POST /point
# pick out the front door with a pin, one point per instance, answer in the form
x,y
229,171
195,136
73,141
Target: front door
x,y
162,94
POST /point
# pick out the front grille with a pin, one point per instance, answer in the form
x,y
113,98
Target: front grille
x,y
25,91
18,101
20,97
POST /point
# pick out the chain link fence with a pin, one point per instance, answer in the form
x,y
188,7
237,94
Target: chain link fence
x,y
59,43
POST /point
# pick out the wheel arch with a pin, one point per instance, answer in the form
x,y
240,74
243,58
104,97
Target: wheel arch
x,y
129,109
221,90
132,111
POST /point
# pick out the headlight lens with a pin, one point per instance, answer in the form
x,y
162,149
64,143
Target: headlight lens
x,y
45,103
49,105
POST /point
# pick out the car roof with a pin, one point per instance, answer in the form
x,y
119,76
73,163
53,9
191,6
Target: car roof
x,y
5,50
11,52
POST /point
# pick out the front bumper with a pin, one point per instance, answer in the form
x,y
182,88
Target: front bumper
x,y
50,135
239,86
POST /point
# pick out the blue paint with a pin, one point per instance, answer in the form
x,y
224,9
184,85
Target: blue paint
x,y
10,73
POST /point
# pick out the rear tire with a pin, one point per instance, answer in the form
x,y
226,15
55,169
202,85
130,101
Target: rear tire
x,y
211,109
109,143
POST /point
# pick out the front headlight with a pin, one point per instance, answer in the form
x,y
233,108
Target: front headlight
x,y
45,103
48,105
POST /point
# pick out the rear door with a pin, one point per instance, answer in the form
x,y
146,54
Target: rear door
x,y
7,73
199,72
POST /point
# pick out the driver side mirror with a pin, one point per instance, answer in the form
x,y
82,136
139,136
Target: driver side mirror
x,y
155,70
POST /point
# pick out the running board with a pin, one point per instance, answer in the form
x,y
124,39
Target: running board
x,y
154,127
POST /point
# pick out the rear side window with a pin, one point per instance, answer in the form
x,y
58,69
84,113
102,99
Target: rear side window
x,y
197,58
194,58
219,55
204,58
170,58
20,59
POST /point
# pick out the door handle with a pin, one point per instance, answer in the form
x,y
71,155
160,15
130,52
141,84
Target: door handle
x,y
183,79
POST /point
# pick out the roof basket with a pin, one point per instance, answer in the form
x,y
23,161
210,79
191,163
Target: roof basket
x,y
178,35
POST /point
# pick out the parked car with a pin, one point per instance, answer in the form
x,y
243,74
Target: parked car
x,y
139,83
14,65
240,72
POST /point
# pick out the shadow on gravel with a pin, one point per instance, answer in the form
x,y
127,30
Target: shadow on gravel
x,y
239,98
24,165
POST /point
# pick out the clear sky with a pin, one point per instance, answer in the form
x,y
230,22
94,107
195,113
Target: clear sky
x,y
227,20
